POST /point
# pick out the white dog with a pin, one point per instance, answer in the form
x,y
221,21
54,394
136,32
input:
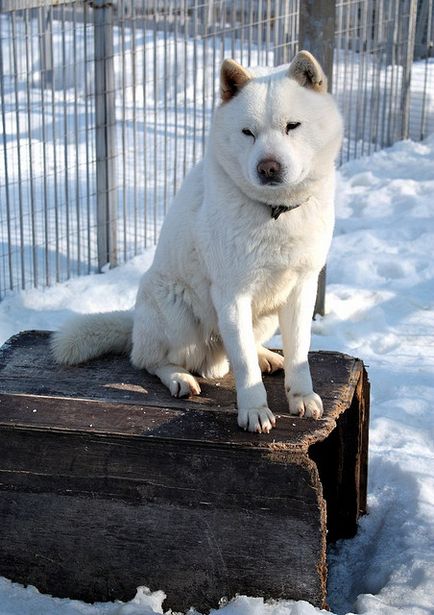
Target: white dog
x,y
240,249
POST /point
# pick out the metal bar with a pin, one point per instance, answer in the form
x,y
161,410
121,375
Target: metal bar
x,y
145,142
428,54
165,82
186,29
250,36
87,146
133,34
408,62
223,31
66,149
237,27
105,115
54,137
345,106
394,79
76,139
46,66
123,136
175,106
155,126
277,30
194,79
259,32
28,71
214,55
6,171
204,78
267,31
384,103
20,176
366,66
233,21
376,79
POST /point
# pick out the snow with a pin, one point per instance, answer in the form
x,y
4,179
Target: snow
x,y
380,296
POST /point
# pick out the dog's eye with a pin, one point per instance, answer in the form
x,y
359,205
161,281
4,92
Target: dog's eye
x,y
248,133
292,126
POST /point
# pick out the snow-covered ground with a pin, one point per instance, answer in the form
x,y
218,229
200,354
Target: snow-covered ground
x,y
380,307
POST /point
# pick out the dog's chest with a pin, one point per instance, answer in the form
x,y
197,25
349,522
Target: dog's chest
x,y
268,273
271,290
276,254
273,263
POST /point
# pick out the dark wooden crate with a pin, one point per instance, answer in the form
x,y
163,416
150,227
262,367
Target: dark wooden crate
x,y
108,483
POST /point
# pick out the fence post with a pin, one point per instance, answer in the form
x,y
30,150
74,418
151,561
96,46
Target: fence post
x,y
406,71
317,35
105,128
45,33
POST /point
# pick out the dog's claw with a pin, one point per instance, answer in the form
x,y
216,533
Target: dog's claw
x,y
308,406
184,385
259,420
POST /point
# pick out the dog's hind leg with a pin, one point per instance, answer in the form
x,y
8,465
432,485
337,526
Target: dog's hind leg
x,y
151,352
165,340
264,328
178,380
269,361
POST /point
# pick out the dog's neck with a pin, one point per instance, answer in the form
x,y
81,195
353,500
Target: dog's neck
x,y
296,200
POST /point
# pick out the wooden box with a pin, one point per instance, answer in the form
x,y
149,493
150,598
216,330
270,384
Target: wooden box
x,y
108,483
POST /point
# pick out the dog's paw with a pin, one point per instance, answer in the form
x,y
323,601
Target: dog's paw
x,y
184,385
269,361
260,420
309,405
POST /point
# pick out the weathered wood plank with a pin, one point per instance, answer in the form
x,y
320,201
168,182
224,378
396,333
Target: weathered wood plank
x,y
113,548
107,516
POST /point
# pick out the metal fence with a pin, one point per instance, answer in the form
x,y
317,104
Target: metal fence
x,y
106,105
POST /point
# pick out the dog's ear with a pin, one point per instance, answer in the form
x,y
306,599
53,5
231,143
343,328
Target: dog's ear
x,y
232,78
306,70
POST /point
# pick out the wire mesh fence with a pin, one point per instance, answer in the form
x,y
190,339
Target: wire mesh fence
x,y
47,177
382,91
105,107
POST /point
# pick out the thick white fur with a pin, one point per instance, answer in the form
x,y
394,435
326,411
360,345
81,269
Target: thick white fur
x,y
225,274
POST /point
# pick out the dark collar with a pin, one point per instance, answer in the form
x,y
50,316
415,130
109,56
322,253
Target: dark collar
x,y
276,210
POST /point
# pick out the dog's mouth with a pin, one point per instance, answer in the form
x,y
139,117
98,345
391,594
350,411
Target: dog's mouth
x,y
274,183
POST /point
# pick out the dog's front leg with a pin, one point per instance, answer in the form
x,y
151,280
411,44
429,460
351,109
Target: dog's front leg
x,y
295,320
236,329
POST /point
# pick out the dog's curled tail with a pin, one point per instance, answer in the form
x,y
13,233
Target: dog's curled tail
x,y
86,336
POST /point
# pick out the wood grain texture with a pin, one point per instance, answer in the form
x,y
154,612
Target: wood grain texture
x,y
107,483
125,400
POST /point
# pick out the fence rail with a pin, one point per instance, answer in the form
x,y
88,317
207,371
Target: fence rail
x,y
104,106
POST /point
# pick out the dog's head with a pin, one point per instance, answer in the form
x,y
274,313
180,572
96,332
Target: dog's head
x,y
276,130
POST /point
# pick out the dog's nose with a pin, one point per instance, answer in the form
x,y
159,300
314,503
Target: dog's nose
x,y
269,171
